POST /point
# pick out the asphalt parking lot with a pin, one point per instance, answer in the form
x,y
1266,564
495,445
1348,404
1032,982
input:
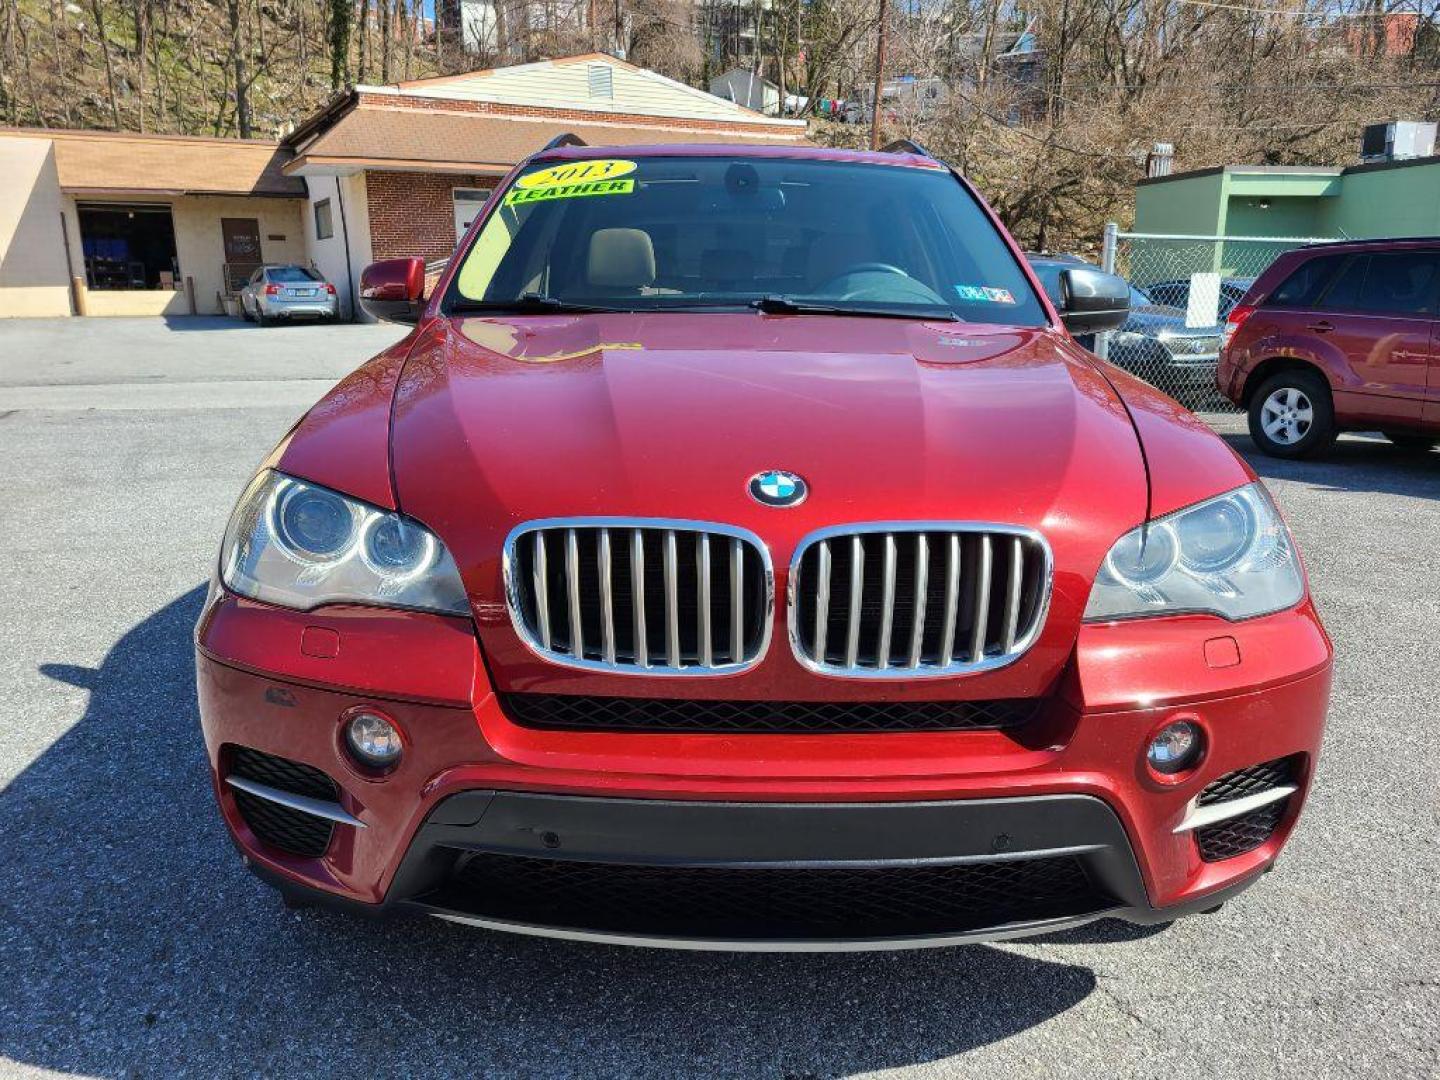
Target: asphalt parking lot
x,y
134,943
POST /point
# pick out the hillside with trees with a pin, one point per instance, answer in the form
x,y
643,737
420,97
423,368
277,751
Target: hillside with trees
x,y
1051,106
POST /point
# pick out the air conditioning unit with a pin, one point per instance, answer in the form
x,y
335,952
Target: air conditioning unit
x,y
1399,140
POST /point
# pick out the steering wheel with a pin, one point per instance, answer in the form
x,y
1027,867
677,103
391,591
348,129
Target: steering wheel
x,y
901,287
870,268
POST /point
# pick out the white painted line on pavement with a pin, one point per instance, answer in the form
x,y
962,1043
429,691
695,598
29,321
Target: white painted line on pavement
x,y
166,396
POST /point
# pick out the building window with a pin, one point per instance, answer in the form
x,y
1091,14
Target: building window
x,y
468,203
324,225
128,247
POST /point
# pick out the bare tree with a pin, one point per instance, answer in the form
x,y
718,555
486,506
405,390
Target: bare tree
x,y
242,80
387,23
364,30
339,41
97,8
662,37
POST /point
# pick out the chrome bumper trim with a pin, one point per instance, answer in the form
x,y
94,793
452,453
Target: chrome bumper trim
x,y
328,810
1003,932
1197,817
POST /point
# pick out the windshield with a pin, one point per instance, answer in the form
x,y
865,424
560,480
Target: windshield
x,y
289,274
724,233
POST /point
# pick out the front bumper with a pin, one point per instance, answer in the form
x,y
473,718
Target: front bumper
x,y
1154,358
1042,827
771,876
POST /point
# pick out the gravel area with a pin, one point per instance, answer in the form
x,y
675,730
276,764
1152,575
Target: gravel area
x,y
134,943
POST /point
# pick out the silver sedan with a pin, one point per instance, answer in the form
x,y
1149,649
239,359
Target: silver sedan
x,y
288,292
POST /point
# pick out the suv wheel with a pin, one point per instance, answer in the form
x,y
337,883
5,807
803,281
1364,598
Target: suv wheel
x,y
1418,444
1292,415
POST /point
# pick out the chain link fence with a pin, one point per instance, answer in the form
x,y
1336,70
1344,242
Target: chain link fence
x,y
1182,287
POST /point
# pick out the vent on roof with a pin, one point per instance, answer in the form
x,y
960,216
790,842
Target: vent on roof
x,y
601,78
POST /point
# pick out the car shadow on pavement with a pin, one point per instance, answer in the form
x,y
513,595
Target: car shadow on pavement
x,y
136,943
205,322
1354,463
225,322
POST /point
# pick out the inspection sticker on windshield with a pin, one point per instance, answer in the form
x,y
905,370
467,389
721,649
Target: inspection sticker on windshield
x,y
609,176
984,294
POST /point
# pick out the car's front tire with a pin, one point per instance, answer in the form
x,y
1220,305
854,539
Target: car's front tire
x,y
1293,416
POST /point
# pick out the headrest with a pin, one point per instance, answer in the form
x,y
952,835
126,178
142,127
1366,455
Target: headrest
x,y
621,259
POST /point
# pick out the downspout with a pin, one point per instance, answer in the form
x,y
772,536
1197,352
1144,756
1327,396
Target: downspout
x,y
74,285
345,234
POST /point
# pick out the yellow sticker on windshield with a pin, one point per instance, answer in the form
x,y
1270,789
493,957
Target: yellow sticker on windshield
x,y
575,172
518,195
608,176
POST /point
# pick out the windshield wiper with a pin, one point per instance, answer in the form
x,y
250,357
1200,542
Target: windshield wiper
x,y
532,302
784,305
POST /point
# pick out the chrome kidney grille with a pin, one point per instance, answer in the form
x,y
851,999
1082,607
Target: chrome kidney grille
x,y
644,596
917,599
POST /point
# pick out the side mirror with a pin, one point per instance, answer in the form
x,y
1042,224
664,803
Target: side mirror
x,y
393,290
1092,301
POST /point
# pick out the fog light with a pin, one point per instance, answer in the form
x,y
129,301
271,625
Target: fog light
x,y
373,739
1175,748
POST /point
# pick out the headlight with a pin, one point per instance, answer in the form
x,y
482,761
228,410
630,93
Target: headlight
x,y
300,545
1230,555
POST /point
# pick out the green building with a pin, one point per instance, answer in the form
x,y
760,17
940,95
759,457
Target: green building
x,y
1217,221
1387,198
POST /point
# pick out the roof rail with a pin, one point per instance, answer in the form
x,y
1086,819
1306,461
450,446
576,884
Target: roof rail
x,y
907,146
567,139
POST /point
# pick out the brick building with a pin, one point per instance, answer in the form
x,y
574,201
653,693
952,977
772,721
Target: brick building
x,y
402,170
104,223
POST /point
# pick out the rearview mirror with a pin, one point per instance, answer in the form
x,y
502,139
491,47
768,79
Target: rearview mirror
x,y
1092,301
393,290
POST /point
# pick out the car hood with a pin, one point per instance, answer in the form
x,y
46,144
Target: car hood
x,y
497,422
1152,318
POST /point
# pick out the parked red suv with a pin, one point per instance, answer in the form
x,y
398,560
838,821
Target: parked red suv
x,y
740,553
1339,337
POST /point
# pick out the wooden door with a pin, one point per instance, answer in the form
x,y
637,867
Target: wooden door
x,y
242,249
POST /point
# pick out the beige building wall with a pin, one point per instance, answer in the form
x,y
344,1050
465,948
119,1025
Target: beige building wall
x,y
350,235
357,220
200,250
34,280
201,246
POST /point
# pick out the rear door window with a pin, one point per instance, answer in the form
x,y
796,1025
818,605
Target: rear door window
x,y
292,275
1345,293
1303,287
1401,283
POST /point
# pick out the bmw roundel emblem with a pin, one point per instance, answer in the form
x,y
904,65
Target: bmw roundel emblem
x,y
775,487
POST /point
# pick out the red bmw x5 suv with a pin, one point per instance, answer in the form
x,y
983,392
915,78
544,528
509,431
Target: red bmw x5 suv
x,y
741,554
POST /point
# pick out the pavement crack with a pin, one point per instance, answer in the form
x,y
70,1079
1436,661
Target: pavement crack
x,y
1122,1006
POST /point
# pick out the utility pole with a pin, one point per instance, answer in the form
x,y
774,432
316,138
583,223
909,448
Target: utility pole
x,y
755,60
879,78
